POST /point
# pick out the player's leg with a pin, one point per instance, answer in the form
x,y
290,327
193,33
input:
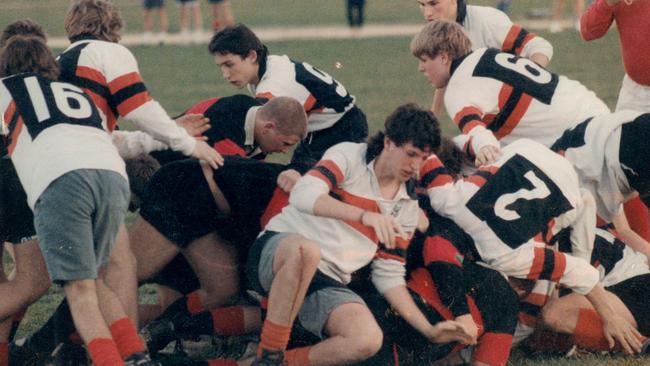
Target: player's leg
x,y
121,274
282,265
151,249
222,12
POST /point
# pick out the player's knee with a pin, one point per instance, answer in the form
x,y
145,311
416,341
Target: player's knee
x,y
366,343
310,254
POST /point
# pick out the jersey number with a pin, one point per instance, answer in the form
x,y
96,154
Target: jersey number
x,y
327,91
521,73
518,201
43,103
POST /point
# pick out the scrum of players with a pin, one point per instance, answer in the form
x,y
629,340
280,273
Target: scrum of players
x,y
403,247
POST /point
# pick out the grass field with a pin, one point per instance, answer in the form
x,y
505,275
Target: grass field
x,y
381,73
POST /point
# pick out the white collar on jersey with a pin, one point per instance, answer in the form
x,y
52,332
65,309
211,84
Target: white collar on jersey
x,y
249,126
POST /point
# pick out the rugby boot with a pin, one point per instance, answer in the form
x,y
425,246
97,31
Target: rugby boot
x,y
158,334
269,358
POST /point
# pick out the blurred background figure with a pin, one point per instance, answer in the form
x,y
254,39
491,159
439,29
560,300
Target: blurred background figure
x,y
558,15
187,9
222,15
503,5
150,8
354,11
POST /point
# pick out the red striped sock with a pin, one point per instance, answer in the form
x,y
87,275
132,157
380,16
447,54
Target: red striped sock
x,y
103,352
194,303
297,357
126,338
274,337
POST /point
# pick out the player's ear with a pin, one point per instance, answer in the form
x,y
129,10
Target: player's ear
x,y
269,125
252,56
444,57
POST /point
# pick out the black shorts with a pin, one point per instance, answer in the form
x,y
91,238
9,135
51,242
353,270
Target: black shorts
x,y
352,127
177,275
153,4
16,218
635,292
633,153
179,204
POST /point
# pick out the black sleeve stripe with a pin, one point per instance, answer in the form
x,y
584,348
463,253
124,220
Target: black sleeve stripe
x,y
327,173
549,265
126,93
518,41
433,174
530,309
395,252
467,119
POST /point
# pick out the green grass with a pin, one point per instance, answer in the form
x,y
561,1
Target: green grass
x,y
379,72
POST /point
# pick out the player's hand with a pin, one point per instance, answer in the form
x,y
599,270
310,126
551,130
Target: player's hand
x,y
386,227
287,179
448,331
617,329
203,151
469,326
195,124
487,155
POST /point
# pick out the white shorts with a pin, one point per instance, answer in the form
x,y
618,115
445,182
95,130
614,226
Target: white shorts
x,y
633,96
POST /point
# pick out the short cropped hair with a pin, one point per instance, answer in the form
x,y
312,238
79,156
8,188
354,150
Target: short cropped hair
x,y
441,36
23,27
408,123
238,40
98,18
28,54
287,113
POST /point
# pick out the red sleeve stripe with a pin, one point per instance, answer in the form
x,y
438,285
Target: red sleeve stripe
x,y
310,103
476,180
202,106
516,40
264,97
102,105
438,249
389,256
133,102
124,81
432,163
9,112
228,147
547,265
13,138
468,118
329,172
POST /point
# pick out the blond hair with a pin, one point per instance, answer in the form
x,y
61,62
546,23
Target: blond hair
x,y
441,36
97,18
288,115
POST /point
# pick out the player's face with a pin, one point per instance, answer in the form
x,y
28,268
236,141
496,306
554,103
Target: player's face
x,y
272,141
438,9
406,160
237,70
435,69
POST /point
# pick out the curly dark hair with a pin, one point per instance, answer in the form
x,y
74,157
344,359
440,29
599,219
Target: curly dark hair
x,y
28,54
408,123
239,40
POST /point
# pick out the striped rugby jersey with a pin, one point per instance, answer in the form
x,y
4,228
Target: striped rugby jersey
x,y
324,98
517,206
52,128
489,27
497,97
109,73
346,246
